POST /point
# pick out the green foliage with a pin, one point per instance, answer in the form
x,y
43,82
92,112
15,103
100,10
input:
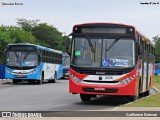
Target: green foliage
x,y
30,31
157,45
12,34
46,35
27,25
49,35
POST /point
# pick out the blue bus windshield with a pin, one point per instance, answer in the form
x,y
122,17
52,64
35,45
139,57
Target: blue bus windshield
x,y
22,58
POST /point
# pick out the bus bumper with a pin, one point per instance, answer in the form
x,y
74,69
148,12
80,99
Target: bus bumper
x,y
128,89
22,76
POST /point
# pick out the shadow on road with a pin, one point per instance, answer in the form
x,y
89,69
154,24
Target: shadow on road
x,y
101,103
107,100
28,83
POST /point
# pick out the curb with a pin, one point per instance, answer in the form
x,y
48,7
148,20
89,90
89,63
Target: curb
x,y
156,89
5,81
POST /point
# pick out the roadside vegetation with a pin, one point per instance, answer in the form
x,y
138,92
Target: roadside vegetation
x,y
31,31
151,101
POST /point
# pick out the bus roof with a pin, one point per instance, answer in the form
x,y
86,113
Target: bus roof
x,y
120,24
42,47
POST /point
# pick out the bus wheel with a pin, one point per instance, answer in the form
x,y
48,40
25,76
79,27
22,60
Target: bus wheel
x,y
85,97
15,81
146,93
41,80
135,97
55,78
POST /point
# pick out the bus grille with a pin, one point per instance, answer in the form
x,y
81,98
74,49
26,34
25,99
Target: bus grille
x,y
94,72
93,81
102,91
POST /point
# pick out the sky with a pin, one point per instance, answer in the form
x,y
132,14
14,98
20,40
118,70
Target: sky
x,y
63,14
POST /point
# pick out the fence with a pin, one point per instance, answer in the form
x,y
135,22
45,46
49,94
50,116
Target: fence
x,y
2,71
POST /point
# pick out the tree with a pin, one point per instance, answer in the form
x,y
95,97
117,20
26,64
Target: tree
x,y
46,35
49,35
4,39
13,34
27,25
157,46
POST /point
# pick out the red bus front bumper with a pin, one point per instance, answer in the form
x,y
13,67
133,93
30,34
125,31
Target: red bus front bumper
x,y
128,89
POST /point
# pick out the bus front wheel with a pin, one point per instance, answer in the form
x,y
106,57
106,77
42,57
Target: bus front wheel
x,y
55,77
135,97
85,97
15,81
41,80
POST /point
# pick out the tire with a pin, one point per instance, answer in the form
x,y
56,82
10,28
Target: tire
x,y
55,78
15,81
41,80
31,81
146,93
133,98
85,97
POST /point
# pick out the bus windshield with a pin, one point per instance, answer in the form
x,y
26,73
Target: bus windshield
x,y
66,61
22,58
103,53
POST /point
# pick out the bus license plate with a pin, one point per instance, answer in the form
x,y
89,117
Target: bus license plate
x,y
19,75
99,89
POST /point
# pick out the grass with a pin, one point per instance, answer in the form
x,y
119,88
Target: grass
x,y
157,82
151,101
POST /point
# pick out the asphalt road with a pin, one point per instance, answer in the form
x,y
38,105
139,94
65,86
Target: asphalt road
x,y
51,97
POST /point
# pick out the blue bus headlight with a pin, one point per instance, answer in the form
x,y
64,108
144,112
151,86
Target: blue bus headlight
x,y
33,71
75,78
127,80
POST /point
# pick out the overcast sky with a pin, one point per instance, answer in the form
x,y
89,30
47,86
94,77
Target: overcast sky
x,y
63,14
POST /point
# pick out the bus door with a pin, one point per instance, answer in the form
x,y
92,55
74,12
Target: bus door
x,y
145,67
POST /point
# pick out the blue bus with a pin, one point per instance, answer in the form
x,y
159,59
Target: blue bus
x,y
32,62
157,69
66,64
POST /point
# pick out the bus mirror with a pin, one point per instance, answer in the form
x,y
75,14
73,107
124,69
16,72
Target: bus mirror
x,y
68,44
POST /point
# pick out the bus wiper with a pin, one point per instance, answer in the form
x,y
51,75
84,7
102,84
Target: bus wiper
x,y
114,42
65,57
16,54
26,55
91,45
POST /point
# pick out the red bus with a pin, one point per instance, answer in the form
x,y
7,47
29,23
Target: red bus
x,y
110,59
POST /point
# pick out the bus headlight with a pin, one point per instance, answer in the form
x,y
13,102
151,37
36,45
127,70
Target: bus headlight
x,y
127,80
75,78
33,71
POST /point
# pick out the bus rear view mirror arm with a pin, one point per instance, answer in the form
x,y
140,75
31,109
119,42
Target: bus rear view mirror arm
x,y
68,42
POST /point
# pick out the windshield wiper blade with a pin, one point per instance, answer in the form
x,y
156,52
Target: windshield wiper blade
x,y
91,45
16,54
117,39
114,42
26,55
